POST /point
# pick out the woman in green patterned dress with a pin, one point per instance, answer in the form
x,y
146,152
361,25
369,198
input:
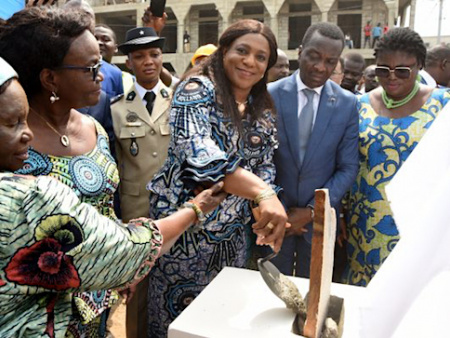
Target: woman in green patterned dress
x,y
393,119
52,244
60,75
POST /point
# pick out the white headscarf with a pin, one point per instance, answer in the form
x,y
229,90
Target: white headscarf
x,y
6,72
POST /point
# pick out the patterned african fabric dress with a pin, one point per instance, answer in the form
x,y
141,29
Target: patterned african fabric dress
x,y
52,245
204,147
94,178
384,145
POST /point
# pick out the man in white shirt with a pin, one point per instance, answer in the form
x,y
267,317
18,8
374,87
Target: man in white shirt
x,y
318,134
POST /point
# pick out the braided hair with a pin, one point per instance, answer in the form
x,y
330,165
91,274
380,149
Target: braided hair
x,y
402,39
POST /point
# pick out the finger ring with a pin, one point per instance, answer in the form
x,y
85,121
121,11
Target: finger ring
x,y
270,225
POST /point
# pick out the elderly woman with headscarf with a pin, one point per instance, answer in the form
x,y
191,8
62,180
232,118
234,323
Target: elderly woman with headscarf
x,y
52,244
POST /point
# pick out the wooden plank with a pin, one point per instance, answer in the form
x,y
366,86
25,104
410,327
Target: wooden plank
x,y
321,271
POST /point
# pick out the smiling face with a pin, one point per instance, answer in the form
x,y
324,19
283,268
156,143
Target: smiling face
x,y
106,42
318,59
76,86
15,136
146,65
245,63
396,88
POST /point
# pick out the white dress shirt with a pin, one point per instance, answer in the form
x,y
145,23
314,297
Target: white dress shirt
x,y
302,99
142,91
428,78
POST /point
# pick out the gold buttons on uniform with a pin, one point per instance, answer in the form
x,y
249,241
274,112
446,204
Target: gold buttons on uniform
x,y
155,154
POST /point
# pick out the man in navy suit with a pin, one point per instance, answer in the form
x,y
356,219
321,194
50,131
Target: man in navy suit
x,y
318,135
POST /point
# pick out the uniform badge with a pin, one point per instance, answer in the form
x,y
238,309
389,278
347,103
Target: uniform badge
x,y
131,117
131,96
134,148
164,93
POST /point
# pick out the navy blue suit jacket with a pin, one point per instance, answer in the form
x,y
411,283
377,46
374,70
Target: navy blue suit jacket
x,y
331,158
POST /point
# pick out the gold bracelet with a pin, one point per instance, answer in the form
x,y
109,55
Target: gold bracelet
x,y
198,212
264,195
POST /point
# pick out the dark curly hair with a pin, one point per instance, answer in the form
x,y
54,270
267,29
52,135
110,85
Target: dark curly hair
x,y
326,29
213,67
402,39
38,38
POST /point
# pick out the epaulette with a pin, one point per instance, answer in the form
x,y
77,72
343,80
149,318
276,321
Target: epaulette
x,y
115,98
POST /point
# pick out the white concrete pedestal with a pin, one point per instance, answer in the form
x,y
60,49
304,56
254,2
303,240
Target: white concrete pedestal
x,y
238,304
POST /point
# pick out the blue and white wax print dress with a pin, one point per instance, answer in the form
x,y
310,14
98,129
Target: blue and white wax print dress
x,y
204,147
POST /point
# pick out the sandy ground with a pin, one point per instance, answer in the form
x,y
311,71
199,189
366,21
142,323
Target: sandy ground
x,y
116,322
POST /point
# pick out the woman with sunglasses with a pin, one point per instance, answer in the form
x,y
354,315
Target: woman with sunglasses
x,y
60,73
393,119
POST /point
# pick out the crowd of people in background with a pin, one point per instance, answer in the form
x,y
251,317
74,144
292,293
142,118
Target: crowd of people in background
x,y
144,185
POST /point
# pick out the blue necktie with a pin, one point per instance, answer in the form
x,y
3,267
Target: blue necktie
x,y
306,122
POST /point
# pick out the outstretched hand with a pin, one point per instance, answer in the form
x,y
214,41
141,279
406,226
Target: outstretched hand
x,y
156,22
210,199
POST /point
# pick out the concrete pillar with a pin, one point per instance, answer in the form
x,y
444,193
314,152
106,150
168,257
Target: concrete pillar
x,y
392,7
180,33
139,14
324,17
412,14
225,10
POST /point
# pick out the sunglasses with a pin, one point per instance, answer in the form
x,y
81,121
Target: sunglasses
x,y
93,69
399,72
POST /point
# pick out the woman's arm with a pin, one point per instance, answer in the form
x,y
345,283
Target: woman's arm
x,y
53,242
173,226
247,185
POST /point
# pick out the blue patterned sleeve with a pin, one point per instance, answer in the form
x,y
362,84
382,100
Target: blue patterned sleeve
x,y
265,167
444,93
199,141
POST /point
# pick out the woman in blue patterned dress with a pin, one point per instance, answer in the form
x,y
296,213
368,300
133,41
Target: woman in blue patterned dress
x,y
393,119
223,129
60,72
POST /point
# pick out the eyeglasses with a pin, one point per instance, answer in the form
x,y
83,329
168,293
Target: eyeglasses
x,y
399,72
93,69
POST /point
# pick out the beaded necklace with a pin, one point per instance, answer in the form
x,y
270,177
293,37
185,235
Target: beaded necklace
x,y
390,103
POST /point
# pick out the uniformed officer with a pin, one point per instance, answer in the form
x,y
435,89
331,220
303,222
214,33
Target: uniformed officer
x,y
141,127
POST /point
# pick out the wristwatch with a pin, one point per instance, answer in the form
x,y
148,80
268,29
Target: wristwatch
x,y
311,207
